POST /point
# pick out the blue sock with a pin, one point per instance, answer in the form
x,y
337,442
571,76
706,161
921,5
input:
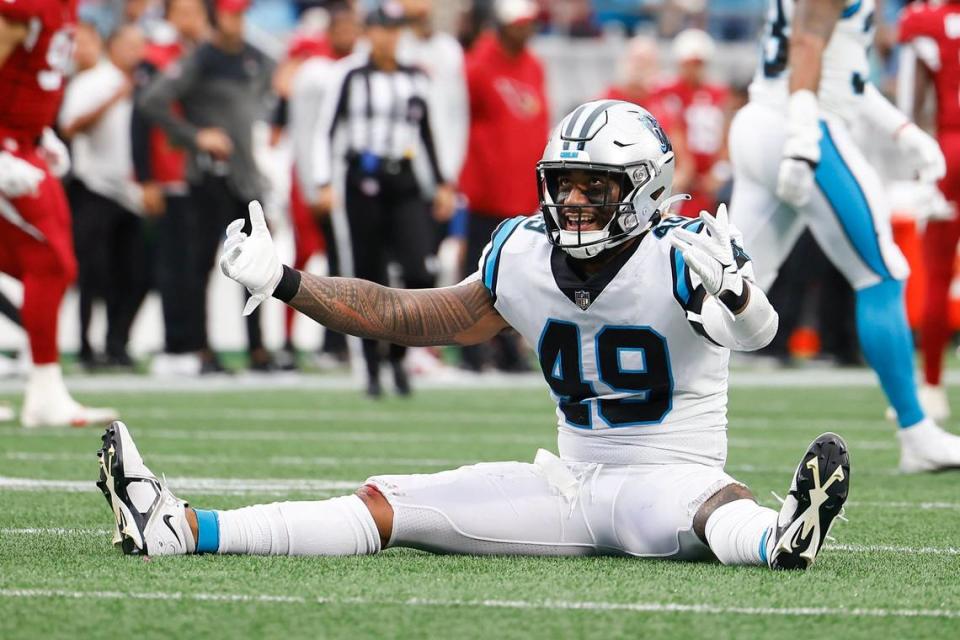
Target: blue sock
x,y
888,346
208,531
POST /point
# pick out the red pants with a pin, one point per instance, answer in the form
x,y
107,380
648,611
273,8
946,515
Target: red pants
x,y
307,240
45,267
939,255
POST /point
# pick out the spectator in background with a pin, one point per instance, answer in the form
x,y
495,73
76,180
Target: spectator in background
x,y
160,168
381,109
701,108
440,56
312,226
638,73
87,50
509,125
108,229
222,88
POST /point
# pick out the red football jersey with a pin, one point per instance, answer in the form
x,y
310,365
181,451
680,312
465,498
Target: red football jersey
x,y
650,102
934,30
32,77
701,111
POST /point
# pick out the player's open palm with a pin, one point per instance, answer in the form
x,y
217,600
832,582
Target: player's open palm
x,y
252,259
710,255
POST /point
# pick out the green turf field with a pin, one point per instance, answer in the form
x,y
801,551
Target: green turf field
x,y
894,571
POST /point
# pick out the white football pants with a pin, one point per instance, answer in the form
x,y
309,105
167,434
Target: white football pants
x,y
553,507
848,212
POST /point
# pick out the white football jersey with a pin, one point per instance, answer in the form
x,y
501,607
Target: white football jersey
x,y
634,376
846,69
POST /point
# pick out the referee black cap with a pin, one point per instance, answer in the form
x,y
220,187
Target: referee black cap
x,y
388,14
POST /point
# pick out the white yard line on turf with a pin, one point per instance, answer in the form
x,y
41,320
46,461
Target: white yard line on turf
x,y
194,434
293,461
452,379
840,548
54,531
270,486
549,605
336,461
281,486
443,416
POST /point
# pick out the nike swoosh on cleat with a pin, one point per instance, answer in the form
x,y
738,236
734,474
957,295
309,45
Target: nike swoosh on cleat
x,y
166,521
798,542
622,145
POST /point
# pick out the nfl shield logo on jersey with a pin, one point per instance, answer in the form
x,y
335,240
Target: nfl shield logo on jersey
x,y
582,298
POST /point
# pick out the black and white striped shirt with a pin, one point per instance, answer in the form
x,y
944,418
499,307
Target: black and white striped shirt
x,y
381,113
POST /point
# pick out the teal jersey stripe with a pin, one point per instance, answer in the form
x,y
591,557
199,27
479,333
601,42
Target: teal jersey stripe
x,y
681,289
679,272
849,204
852,9
493,258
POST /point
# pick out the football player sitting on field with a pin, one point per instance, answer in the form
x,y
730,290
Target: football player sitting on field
x,y
633,315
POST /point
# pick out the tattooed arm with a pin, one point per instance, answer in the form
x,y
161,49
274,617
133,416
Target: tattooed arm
x,y
462,314
813,24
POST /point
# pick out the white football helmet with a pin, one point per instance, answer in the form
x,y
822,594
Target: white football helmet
x,y
624,141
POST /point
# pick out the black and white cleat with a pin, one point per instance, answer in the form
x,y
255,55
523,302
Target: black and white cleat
x,y
149,519
817,493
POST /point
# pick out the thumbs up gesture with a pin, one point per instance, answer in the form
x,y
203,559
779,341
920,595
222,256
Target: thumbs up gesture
x,y
251,259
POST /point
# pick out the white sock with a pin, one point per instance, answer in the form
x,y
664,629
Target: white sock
x,y
741,532
336,527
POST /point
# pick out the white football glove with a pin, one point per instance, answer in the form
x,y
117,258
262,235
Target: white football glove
x,y
18,177
710,256
55,152
252,260
801,150
922,152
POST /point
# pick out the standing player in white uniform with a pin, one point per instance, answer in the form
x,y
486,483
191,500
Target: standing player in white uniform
x,y
632,317
796,165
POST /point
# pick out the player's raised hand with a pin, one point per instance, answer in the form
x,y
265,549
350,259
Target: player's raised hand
x,y
801,150
251,259
922,152
710,255
18,177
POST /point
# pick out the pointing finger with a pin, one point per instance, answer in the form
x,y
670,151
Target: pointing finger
x,y
257,221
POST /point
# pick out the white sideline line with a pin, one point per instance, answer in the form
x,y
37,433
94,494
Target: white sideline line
x,y
551,605
841,548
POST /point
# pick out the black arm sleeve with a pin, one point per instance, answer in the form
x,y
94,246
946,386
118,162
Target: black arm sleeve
x,y
426,134
140,128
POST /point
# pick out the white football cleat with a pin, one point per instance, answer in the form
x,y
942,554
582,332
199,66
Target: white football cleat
x,y
820,487
927,447
7,414
47,403
149,519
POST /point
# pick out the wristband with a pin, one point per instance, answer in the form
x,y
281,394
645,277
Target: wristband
x,y
288,286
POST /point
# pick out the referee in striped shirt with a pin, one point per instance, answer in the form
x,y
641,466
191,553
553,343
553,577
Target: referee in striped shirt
x,y
376,117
